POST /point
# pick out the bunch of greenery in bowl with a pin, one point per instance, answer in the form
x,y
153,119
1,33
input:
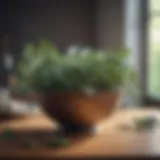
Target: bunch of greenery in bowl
x,y
45,68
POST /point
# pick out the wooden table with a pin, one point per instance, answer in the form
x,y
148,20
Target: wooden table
x,y
111,141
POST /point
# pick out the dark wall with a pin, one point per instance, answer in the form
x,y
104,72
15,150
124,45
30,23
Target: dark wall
x,y
64,22
110,23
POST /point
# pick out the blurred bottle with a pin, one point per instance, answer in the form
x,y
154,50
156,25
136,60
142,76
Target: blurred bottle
x,y
7,75
6,68
7,62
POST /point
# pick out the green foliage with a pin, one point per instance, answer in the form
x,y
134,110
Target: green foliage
x,y
145,122
44,68
8,134
58,142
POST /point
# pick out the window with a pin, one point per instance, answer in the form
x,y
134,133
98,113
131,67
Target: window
x,y
153,48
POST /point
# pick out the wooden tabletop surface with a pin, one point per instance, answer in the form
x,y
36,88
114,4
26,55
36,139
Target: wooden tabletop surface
x,y
110,141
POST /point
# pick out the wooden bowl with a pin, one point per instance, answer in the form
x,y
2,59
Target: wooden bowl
x,y
77,111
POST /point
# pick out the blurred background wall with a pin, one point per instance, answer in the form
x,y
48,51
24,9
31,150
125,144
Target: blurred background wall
x,y
65,22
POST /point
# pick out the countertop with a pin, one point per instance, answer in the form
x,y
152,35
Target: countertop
x,y
110,139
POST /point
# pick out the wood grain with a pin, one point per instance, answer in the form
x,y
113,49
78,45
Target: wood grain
x,y
109,141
